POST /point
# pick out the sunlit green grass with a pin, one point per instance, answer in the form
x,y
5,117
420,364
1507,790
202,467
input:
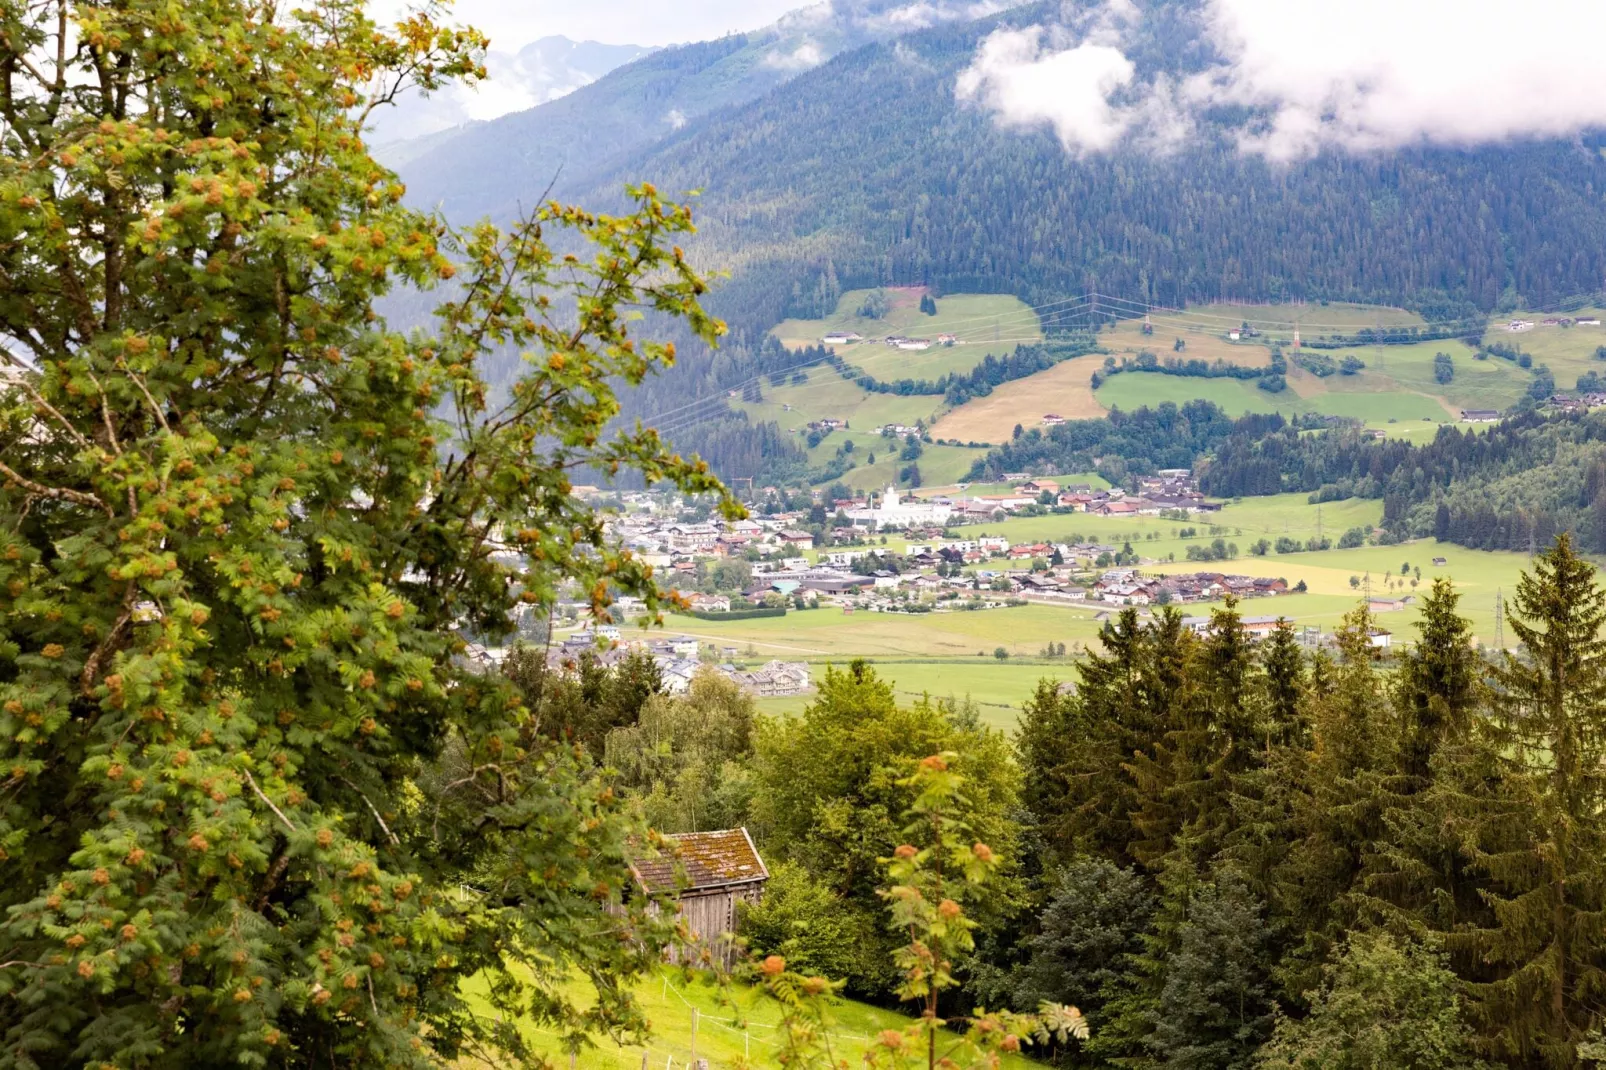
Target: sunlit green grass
x,y
733,1027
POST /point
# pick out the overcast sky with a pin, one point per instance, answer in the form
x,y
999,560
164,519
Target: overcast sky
x,y
511,23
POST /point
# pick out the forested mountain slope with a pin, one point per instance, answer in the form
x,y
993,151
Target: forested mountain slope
x,y
866,170
871,163
608,126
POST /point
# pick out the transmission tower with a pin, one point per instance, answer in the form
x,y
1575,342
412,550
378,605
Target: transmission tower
x,y
1499,620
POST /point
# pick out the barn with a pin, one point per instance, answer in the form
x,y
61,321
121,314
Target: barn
x,y
707,874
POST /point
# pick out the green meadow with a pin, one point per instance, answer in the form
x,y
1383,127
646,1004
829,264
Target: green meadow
x,y
982,324
1383,404
732,1027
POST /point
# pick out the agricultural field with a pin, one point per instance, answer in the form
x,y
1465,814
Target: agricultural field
x,y
1126,338
734,1027
1065,389
826,395
1378,407
983,324
1568,351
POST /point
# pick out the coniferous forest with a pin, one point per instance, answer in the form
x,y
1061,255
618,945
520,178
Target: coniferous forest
x,y
1227,851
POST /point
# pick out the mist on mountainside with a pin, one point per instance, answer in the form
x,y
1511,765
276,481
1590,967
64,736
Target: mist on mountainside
x,y
541,71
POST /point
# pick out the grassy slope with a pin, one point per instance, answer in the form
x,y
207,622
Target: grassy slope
x,y
986,323
729,1033
1377,407
983,323
1397,392
1570,352
1064,389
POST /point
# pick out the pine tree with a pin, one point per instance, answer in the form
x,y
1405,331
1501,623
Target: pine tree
x,y
1542,840
1284,682
1419,875
1114,707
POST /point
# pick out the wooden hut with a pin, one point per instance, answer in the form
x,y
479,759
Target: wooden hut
x,y
707,874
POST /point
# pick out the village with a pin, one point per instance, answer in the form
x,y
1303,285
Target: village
x,y
836,557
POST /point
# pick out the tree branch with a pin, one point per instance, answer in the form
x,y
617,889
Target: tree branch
x,y
60,494
280,813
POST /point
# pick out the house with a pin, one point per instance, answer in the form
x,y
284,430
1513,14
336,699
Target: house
x,y
1479,416
1439,562
1588,321
1038,486
796,540
841,338
1379,638
1120,508
1052,419
709,603
775,679
705,874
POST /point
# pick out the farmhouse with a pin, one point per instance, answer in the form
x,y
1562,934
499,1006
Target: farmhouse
x,y
706,874
1479,416
842,338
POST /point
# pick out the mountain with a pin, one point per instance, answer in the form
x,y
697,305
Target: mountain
x,y
869,167
868,170
491,168
868,164
542,71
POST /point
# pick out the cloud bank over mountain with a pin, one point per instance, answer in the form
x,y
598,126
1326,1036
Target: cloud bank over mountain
x,y
1354,75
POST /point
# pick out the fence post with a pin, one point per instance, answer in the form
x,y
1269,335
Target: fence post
x,y
693,1058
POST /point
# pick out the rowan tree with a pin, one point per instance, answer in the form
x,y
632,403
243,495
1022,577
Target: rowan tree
x,y
254,805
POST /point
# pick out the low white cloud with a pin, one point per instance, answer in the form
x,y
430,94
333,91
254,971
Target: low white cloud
x,y
805,55
675,118
923,14
1379,74
1026,82
1354,75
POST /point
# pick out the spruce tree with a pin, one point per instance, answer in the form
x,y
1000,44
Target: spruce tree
x,y
1120,690
1336,808
1437,687
1204,738
1542,839
1419,875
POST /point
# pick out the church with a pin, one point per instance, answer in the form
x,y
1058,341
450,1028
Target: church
x,y
893,512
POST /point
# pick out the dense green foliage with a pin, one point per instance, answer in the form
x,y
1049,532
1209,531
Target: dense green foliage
x,y
1127,443
1510,487
258,809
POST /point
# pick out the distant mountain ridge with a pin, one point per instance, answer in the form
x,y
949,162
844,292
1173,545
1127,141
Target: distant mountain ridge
x,y
491,168
543,70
